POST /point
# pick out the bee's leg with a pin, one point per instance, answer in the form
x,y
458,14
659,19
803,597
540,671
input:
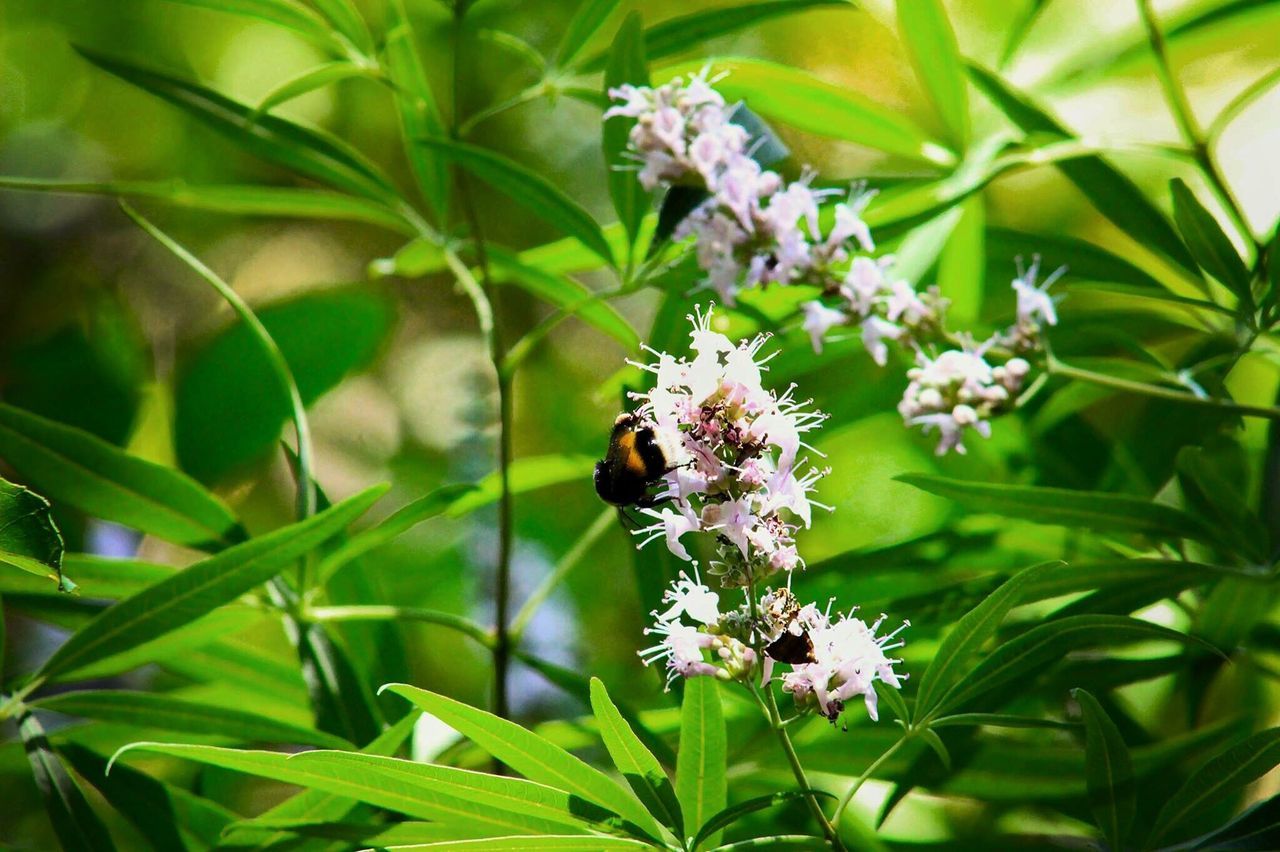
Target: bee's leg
x,y
627,520
648,501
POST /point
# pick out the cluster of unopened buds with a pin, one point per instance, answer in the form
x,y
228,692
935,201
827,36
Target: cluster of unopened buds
x,y
735,468
831,660
756,229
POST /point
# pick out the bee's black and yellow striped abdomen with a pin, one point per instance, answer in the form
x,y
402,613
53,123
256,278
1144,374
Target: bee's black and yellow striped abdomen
x,y
633,463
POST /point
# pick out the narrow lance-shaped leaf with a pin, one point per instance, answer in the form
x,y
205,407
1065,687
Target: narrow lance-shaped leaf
x,y
589,17
1094,510
29,538
205,586
419,113
163,712
701,785
169,818
627,65
805,102
931,46
283,13
314,806
76,825
1108,772
529,754
347,20
636,763
969,634
1220,777
309,152
426,791
83,471
1113,194
528,189
675,35
1211,248
309,81
727,817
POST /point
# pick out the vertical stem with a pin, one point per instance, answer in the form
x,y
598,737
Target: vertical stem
x,y
489,329
784,739
1188,126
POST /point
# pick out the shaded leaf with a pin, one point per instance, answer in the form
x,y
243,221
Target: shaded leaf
x,y
528,189
283,13
86,472
214,582
419,113
1211,248
589,17
29,538
627,64
78,828
1108,772
727,817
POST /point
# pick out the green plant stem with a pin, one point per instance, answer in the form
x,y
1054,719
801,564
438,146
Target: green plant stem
x,y
306,501
402,613
581,547
1188,126
1057,368
13,704
862,779
770,705
493,339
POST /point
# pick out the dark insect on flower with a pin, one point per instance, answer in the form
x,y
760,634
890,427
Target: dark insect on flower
x,y
791,648
637,458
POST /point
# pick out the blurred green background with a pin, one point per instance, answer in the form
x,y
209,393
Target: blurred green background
x,y
100,328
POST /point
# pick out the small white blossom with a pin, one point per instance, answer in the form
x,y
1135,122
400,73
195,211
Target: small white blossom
x,y
1035,305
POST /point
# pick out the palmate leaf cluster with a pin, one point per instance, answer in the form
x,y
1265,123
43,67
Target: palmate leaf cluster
x,y
1118,692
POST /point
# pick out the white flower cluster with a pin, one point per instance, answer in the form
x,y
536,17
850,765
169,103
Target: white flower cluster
x,y
831,661
738,472
756,229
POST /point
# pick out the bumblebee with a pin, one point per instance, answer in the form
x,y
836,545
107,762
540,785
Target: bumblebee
x,y
637,458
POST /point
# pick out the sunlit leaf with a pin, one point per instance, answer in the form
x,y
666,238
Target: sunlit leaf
x,y
419,113
931,46
701,785
29,537
589,17
636,763
309,81
346,19
283,13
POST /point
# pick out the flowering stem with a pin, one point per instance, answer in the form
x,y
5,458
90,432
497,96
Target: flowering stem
x,y
1188,125
871,770
770,706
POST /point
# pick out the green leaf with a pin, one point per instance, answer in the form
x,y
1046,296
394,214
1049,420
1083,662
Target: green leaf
x,y
1207,490
525,474
86,472
416,258
76,825
282,13
998,720
701,786
589,17
240,200
168,817
207,585
1108,772
29,538
425,791
627,64
564,293
314,805
805,102
529,754
1219,778
935,55
636,763
306,151
397,523
1064,507
1210,247
962,265
228,406
727,817
1032,651
675,35
528,189
550,842
1256,828
969,634
151,710
309,81
346,20
1113,194
419,113
938,747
